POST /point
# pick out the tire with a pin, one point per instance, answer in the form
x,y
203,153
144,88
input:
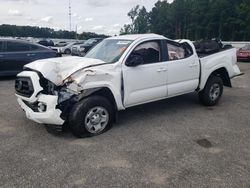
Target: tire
x,y
67,51
212,92
87,117
56,130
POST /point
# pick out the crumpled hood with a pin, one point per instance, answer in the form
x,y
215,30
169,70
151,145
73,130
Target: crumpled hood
x,y
57,70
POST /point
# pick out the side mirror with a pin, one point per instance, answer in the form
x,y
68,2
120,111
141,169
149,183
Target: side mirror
x,y
134,60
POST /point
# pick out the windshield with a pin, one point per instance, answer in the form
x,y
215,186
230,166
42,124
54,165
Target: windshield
x,y
109,50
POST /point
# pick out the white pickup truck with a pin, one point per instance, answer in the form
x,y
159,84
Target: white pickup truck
x,y
120,72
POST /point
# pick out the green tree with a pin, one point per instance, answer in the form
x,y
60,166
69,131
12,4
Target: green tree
x,y
140,21
243,26
37,32
193,19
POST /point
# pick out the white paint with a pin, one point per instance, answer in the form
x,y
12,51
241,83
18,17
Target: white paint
x,y
58,69
225,59
183,74
51,116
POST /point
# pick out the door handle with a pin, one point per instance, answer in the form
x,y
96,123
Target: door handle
x,y
31,55
159,70
191,65
162,70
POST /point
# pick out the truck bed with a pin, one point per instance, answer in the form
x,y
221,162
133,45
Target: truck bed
x,y
225,59
201,55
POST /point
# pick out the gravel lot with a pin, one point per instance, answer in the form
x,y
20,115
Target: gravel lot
x,y
153,145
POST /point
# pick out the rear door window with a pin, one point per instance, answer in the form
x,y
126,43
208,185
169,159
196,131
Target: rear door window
x,y
17,47
178,51
175,52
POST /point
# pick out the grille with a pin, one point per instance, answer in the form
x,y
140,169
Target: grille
x,y
24,86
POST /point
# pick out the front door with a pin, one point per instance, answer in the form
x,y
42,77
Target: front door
x,y
145,82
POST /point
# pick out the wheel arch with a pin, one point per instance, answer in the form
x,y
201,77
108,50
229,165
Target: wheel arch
x,y
220,71
106,93
223,74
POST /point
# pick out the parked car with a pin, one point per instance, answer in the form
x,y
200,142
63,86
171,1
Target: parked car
x,y
14,54
243,54
118,73
61,43
66,49
46,42
75,50
81,50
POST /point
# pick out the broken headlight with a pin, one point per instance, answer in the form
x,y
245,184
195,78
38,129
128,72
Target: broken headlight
x,y
51,88
64,94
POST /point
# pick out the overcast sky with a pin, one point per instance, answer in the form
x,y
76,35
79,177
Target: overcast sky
x,y
100,16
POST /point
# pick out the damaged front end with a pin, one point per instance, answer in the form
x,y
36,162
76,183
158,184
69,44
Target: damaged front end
x,y
70,91
48,90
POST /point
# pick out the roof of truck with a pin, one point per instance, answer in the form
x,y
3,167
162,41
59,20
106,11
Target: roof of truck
x,y
137,36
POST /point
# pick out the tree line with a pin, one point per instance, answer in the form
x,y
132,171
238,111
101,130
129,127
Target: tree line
x,y
38,32
193,19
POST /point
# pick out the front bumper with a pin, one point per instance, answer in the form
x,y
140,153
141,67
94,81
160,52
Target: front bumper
x,y
50,116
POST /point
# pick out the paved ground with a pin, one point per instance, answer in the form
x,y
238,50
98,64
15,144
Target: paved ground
x,y
153,145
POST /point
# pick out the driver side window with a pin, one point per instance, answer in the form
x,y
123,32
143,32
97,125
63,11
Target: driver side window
x,y
147,52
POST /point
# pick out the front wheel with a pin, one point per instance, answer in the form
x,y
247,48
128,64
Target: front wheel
x,y
92,116
212,92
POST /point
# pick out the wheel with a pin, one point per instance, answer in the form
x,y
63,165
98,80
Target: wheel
x,y
91,116
212,92
67,51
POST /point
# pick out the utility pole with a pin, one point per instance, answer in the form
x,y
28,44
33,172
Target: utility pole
x,y
76,33
70,15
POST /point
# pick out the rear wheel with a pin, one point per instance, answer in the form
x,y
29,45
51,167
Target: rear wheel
x,y
92,116
212,92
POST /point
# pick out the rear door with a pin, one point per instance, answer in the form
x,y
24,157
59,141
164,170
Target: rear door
x,y
183,69
15,56
39,52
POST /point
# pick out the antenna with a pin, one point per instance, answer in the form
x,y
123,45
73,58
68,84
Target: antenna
x,y
69,15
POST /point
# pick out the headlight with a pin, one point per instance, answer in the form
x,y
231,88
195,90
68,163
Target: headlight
x,y
64,94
